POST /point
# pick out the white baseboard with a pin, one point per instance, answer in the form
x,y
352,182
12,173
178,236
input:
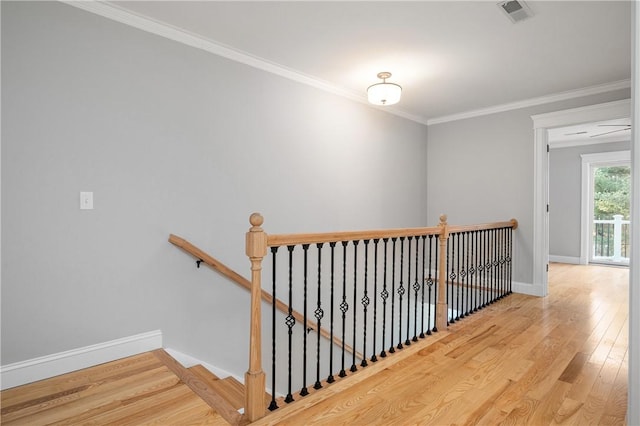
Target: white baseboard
x,y
525,288
189,361
565,259
23,372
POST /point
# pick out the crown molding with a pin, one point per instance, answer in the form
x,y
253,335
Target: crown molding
x,y
111,11
562,96
115,13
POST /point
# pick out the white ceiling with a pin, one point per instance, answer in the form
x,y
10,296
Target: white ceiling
x,y
451,57
618,130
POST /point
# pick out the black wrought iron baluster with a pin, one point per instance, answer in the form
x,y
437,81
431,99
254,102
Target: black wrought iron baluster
x,y
476,272
468,308
449,286
384,294
416,289
436,274
488,268
344,306
485,275
424,284
400,293
485,271
462,284
494,270
273,405
510,260
430,283
355,303
503,286
392,348
407,342
365,303
319,314
374,357
331,379
304,391
290,321
496,261
456,275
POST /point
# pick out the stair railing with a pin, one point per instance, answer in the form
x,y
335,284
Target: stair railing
x,y
207,259
454,270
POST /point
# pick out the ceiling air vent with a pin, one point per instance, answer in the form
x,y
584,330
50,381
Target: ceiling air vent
x,y
516,10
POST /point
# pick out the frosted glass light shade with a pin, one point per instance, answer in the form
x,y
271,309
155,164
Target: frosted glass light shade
x,y
384,93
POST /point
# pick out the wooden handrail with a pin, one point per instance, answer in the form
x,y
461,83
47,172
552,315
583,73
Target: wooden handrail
x,y
328,237
484,226
243,282
278,240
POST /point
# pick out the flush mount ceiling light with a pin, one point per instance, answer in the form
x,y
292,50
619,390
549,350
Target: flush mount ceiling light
x,y
384,93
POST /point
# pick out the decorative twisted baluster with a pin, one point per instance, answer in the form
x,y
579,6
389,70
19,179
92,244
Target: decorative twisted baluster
x,y
331,379
453,276
407,342
344,306
474,272
509,260
290,321
384,295
392,348
424,284
319,314
430,283
463,275
416,289
481,271
365,303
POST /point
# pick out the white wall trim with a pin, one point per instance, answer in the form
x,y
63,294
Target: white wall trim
x,y
20,373
115,13
633,396
526,288
583,142
565,259
571,94
542,122
585,114
189,361
589,163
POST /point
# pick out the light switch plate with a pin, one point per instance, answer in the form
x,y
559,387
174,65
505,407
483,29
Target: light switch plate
x,y
86,201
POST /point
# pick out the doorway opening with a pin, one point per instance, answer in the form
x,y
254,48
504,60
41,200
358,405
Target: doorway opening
x,y
541,124
606,181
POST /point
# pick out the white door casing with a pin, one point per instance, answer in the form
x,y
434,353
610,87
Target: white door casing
x,y
541,123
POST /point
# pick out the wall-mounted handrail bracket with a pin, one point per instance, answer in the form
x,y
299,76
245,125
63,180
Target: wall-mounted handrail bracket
x,y
198,262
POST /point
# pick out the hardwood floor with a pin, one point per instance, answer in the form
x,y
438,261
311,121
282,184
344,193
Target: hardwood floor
x,y
524,360
132,391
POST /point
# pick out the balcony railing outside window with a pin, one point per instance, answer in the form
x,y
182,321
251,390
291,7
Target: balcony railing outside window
x,y
611,240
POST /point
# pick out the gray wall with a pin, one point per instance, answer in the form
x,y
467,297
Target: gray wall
x,y
170,139
565,190
481,169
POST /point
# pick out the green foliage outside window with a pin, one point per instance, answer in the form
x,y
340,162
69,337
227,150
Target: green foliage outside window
x,y
611,192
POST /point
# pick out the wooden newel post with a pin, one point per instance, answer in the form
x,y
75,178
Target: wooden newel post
x,y
441,317
254,378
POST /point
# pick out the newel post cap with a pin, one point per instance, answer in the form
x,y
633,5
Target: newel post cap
x,y
256,220
256,243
